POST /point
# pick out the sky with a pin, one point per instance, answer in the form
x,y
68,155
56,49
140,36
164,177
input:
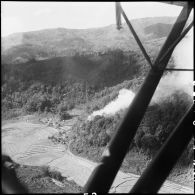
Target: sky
x,y
20,16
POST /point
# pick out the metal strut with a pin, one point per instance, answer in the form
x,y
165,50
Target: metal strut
x,y
177,41
160,167
178,69
135,35
118,16
103,175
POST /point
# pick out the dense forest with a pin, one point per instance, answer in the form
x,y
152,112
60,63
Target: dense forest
x,y
159,121
61,83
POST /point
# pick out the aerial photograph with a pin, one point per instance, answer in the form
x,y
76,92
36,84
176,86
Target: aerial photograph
x,y
97,97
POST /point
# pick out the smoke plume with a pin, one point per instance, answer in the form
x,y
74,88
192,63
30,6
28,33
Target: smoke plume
x,y
178,80
175,80
123,100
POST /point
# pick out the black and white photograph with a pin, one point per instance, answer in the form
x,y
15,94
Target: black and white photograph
x,y
97,97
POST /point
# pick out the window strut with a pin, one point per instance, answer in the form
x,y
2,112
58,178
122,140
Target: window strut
x,y
177,41
118,16
158,170
103,175
136,36
178,69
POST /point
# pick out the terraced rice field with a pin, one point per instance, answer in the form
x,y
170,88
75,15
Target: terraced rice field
x,y
28,144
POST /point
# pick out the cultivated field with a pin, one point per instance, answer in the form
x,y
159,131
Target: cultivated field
x,y
27,143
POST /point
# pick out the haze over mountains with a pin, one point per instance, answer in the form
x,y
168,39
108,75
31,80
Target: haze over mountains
x,y
50,43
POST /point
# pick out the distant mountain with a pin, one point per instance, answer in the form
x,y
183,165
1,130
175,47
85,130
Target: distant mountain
x,y
158,30
49,43
99,71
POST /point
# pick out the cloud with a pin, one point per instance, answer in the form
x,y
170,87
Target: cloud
x,y
43,11
11,24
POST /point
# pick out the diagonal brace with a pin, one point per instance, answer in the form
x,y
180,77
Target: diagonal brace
x,y
103,175
136,37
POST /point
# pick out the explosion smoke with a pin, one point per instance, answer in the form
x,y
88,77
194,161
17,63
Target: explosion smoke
x,y
123,100
183,58
178,80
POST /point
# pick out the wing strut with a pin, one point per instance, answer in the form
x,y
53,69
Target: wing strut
x,y
103,175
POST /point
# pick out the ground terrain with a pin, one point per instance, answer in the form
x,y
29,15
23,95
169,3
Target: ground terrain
x,y
26,141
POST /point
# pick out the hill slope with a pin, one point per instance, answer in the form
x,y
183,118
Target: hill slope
x,y
49,43
103,70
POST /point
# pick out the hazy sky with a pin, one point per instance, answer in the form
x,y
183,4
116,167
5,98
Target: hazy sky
x,y
28,16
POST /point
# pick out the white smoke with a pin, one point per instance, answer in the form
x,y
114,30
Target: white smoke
x,y
178,80
123,100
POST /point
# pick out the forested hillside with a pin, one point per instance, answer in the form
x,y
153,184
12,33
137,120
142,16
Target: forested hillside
x,y
50,43
45,85
55,70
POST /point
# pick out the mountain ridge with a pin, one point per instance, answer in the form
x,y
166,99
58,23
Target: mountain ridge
x,y
49,43
92,28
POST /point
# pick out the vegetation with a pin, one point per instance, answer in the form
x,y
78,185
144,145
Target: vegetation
x,y
157,124
58,85
91,137
38,180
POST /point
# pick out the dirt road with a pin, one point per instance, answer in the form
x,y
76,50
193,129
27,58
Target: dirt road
x,y
27,143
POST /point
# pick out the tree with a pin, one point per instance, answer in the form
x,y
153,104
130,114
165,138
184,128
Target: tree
x,y
149,142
